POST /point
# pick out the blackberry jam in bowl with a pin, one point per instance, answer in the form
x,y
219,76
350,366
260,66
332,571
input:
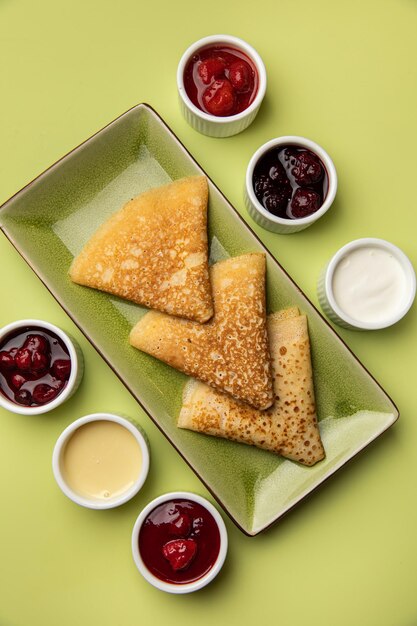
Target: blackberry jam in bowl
x,y
179,542
40,367
290,183
221,83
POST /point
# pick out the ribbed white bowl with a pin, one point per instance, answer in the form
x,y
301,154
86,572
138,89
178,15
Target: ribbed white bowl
x,y
211,124
77,367
279,224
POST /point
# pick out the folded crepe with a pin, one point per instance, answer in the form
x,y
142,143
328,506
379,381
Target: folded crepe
x,y
231,351
289,427
154,251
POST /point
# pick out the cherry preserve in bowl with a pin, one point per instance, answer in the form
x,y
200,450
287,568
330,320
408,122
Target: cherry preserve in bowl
x,y
221,80
39,366
179,542
221,83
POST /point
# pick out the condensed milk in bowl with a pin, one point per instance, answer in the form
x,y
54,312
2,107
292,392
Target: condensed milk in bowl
x,y
101,461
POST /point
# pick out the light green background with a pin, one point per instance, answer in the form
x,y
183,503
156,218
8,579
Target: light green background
x,y
341,73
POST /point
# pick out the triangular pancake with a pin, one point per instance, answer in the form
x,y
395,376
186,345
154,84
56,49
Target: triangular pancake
x,y
154,251
289,427
231,351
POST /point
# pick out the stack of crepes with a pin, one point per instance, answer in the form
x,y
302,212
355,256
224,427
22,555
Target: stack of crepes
x,y
289,427
255,382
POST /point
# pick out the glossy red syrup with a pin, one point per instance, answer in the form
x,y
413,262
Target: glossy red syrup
x,y
34,366
221,80
179,541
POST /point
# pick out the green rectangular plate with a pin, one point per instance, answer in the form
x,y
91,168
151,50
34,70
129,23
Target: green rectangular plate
x,y
52,218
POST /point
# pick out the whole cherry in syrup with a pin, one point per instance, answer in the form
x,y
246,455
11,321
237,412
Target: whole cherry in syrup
x,y
35,366
290,182
221,80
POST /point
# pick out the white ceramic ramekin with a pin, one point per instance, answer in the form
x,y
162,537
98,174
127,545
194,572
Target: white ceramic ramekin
x,y
211,124
327,297
210,575
59,449
279,224
77,367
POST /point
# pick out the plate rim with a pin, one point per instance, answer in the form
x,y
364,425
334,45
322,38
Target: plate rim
x,y
56,296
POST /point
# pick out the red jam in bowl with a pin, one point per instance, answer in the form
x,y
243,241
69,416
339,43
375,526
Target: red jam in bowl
x,y
290,182
221,80
179,541
34,366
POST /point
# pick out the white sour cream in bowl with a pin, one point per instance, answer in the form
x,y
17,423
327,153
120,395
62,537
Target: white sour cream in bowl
x,y
368,284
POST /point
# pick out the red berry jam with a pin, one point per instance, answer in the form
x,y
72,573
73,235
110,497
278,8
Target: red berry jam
x,y
35,366
290,182
179,541
221,80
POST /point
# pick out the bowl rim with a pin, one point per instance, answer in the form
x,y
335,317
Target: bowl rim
x,y
218,564
383,244
75,367
303,142
66,435
237,43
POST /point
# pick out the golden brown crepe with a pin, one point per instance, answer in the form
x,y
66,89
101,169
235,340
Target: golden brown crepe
x,y
289,427
231,351
154,251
